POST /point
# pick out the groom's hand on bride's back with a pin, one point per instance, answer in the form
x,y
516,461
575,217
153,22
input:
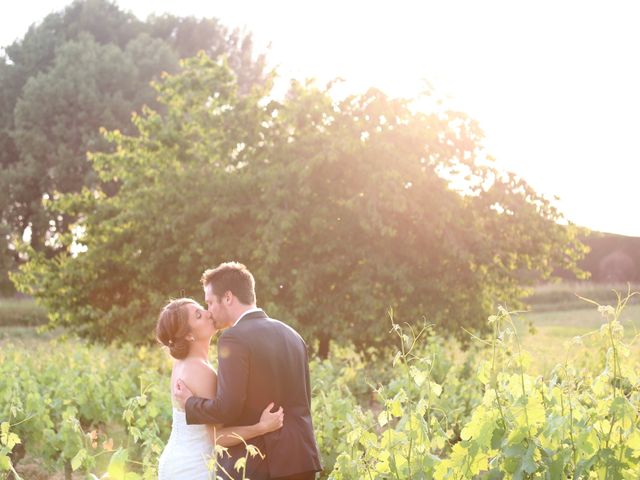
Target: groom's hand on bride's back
x,y
182,393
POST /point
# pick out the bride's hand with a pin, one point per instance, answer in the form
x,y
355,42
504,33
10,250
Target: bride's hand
x,y
271,421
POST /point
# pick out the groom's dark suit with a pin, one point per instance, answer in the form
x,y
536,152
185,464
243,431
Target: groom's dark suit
x,y
261,360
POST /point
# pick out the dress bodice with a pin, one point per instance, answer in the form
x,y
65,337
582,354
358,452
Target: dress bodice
x,y
187,452
188,434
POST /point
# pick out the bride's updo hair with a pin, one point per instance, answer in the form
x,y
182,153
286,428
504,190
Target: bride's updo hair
x,y
173,327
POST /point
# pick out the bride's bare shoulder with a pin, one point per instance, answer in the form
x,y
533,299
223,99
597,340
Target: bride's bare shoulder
x,y
197,374
194,366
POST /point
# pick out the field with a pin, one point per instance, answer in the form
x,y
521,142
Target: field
x,y
21,313
558,315
557,403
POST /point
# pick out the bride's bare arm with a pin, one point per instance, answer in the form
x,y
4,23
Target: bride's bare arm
x,y
228,436
202,381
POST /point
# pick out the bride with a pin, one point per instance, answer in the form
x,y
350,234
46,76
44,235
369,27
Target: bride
x,y
186,329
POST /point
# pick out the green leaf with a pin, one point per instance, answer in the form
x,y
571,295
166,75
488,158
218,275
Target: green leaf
x,y
4,432
383,418
12,440
556,468
515,451
395,407
382,467
396,358
117,465
5,463
241,464
76,461
497,437
353,435
529,464
253,451
435,388
220,451
517,436
418,375
484,372
633,442
535,410
135,433
368,439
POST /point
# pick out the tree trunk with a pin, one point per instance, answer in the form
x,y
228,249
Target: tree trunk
x,y
323,348
67,470
15,456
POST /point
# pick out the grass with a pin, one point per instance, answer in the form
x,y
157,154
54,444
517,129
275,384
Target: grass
x,y
558,316
580,318
21,312
564,296
555,333
26,335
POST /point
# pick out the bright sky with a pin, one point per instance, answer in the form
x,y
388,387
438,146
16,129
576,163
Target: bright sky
x,y
554,84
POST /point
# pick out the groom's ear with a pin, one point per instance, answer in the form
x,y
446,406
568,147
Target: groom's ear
x,y
228,296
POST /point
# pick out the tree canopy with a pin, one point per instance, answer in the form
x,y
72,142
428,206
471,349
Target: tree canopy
x,y
341,208
83,68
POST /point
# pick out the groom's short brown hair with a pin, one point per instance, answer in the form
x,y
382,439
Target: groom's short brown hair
x,y
233,277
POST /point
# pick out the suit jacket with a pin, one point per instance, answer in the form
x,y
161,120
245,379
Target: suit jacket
x,y
262,360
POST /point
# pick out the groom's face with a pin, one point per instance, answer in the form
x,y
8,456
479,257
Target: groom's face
x,y
216,306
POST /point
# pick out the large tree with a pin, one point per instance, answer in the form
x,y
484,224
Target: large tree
x,y
86,67
341,208
372,206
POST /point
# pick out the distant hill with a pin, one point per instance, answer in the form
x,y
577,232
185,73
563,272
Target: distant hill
x,y
613,258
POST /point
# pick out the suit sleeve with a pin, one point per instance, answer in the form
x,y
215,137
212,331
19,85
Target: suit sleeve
x,y
233,375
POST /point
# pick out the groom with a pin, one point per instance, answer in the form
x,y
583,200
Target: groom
x,y
260,360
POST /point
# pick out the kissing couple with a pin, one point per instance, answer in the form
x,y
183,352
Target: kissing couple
x,y
259,398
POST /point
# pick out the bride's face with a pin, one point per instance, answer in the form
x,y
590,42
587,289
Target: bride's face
x,y
200,322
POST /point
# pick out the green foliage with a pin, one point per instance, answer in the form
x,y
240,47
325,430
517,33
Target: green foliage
x,y
146,419
430,412
151,239
340,208
362,216
575,424
66,400
86,67
8,441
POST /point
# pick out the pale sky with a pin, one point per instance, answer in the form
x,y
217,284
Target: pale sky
x,y
555,85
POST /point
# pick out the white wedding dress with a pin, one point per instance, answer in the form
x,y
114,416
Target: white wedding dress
x,y
187,452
